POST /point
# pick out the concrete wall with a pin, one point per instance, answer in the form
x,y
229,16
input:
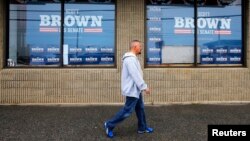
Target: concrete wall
x,y
103,85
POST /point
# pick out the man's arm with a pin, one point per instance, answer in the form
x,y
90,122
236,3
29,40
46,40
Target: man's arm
x,y
135,74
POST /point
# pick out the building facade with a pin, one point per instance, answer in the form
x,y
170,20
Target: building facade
x,y
193,52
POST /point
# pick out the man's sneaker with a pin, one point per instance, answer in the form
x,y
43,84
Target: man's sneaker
x,y
148,130
109,132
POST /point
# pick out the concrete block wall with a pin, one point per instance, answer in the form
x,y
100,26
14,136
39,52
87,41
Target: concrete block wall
x,y
102,86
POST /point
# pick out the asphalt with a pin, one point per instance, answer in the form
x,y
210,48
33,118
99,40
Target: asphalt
x,y
85,123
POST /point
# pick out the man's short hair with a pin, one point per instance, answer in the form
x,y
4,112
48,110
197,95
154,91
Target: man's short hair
x,y
132,43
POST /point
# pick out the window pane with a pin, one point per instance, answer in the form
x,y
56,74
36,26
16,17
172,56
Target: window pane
x,y
34,33
220,32
89,33
170,36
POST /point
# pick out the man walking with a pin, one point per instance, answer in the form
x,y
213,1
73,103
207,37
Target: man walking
x,y
133,86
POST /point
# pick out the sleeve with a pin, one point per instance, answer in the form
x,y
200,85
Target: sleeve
x,y
135,73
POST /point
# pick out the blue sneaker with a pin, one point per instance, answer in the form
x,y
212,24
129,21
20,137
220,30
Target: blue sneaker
x,y
109,132
148,130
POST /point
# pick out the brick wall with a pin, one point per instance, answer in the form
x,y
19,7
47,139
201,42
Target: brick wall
x,y
103,85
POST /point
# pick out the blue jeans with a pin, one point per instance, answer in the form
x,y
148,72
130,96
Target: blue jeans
x,y
131,104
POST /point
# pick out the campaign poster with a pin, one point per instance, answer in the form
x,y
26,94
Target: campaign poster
x,y
89,33
171,29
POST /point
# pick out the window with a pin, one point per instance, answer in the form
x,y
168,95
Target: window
x,y
38,39
182,33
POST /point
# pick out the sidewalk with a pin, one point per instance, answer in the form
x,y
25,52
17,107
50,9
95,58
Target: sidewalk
x,y
75,123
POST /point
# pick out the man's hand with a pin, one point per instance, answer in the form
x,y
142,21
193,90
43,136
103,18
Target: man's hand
x,y
147,91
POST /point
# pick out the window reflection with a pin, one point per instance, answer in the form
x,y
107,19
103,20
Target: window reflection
x,y
30,43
